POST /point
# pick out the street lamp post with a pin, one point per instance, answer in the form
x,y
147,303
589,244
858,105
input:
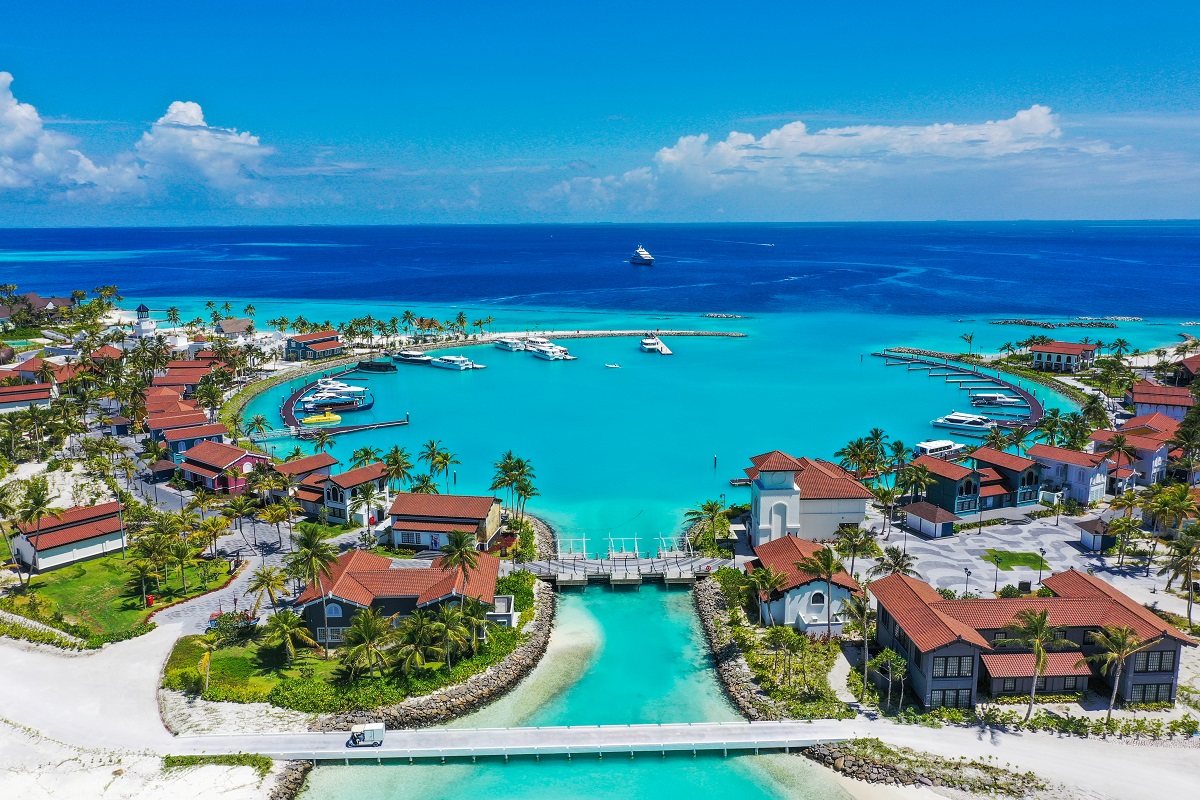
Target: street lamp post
x,y
996,585
1041,563
967,582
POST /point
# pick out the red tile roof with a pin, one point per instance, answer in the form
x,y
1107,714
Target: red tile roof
x,y
782,555
442,506
994,489
1045,452
912,604
816,479
1063,348
357,477
73,516
106,351
930,513
27,393
306,464
161,391
360,577
76,533
320,347
775,461
216,454
159,422
194,431
304,338
1156,422
943,468
1104,436
1192,363
432,527
1020,665
1147,393
196,469
999,458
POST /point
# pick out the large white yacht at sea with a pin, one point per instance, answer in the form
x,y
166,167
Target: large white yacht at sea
x,y
641,257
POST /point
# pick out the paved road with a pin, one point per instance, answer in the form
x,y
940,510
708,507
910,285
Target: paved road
x,y
590,739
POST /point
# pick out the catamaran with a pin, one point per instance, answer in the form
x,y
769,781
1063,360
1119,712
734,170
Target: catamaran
x,y
455,362
962,421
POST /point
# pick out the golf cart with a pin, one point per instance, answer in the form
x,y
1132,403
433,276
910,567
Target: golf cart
x,y
370,735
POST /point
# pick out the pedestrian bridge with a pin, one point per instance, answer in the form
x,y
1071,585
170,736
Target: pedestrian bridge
x,y
594,741
671,568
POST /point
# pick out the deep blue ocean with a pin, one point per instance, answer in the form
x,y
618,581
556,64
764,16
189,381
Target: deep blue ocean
x,y
1096,268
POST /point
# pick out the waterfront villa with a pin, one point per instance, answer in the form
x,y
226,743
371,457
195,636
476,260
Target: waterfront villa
x,y
955,648
319,465
313,346
998,480
425,520
22,396
1082,477
343,490
180,440
1148,397
185,380
802,497
219,467
802,602
77,534
359,580
1063,356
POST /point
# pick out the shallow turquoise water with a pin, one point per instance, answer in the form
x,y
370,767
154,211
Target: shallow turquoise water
x,y
622,452
606,666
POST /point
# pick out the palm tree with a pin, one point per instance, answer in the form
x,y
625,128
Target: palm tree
x,y
858,608
37,503
270,581
895,562
445,460
459,554
825,565
182,555
287,629
397,467
142,570
313,559
969,338
424,484
1117,646
323,440
363,456
854,542
368,498
996,438
1125,529
368,642
916,479
207,645
418,643
258,424
1031,630
449,623
710,511
1183,562
765,582
885,496
275,514
1116,447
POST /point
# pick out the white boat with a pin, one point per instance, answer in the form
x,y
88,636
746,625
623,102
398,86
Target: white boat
x,y
535,341
996,399
641,257
550,352
453,362
962,421
515,345
613,366
330,385
652,344
412,357
939,448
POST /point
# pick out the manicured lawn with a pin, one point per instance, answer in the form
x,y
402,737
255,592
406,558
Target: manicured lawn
x,y
1008,560
99,595
250,672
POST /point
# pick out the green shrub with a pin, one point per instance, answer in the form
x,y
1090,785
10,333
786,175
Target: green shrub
x,y
261,764
520,585
1009,591
1044,592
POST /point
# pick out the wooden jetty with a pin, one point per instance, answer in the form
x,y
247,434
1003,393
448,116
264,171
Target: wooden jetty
x,y
288,412
961,374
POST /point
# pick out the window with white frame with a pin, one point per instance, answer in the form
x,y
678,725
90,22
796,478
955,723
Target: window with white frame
x,y
1010,685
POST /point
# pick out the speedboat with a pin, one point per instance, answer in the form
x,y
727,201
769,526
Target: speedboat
x,y
453,362
324,418
962,421
613,366
938,448
641,257
996,399
550,352
515,345
413,357
652,344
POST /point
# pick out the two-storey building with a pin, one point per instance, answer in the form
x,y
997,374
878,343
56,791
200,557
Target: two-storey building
x,y
426,520
1063,356
803,497
1082,477
313,346
346,499
804,601
1148,397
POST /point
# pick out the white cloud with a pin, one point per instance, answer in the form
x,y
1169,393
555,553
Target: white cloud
x,y
33,156
634,190
181,145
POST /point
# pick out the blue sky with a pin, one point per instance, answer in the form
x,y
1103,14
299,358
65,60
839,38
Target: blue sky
x,y
242,113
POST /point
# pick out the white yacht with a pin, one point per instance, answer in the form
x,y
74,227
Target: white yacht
x,y
641,257
454,362
652,344
330,385
412,357
939,448
962,421
996,399
535,341
515,345
550,352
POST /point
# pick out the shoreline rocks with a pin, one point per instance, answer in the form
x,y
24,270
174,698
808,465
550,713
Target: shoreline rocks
x,y
290,780
838,760
734,674
544,536
461,699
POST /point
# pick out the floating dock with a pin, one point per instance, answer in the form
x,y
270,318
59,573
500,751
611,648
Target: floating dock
x,y
288,412
965,377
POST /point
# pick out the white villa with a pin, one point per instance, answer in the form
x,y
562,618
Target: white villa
x,y
1083,477
801,497
802,603
76,534
342,495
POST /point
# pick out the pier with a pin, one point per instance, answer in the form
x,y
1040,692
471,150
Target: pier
x,y
672,569
288,412
972,379
593,741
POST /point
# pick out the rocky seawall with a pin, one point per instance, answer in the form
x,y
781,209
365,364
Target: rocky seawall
x,y
544,536
736,678
461,699
867,770
290,780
